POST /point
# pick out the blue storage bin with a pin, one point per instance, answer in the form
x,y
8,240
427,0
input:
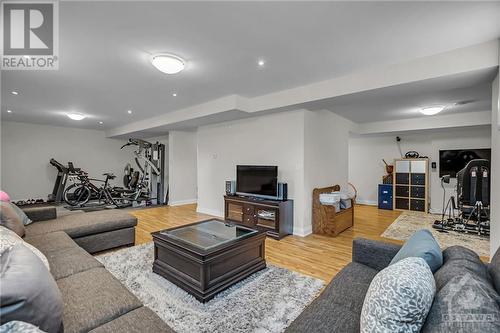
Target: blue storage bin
x,y
385,196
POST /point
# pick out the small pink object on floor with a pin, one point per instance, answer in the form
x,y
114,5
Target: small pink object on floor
x,y
4,196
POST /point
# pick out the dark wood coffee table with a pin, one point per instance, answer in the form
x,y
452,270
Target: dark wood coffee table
x,y
207,257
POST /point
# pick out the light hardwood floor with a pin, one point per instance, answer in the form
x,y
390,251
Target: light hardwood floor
x,y
314,255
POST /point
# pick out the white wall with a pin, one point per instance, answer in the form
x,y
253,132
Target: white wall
x,y
309,148
325,155
366,153
182,169
27,148
495,169
276,139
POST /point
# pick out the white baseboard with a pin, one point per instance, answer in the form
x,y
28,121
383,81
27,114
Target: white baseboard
x,y
183,202
301,232
367,202
435,211
209,211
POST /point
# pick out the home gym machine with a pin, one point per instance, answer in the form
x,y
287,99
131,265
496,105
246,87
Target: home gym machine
x,y
473,197
63,172
150,160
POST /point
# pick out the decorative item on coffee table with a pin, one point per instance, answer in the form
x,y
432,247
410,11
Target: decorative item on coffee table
x,y
207,257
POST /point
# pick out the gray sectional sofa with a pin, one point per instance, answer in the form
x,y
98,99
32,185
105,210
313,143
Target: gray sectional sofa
x,y
94,300
338,308
94,231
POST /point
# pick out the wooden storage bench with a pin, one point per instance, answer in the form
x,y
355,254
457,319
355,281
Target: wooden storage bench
x,y
326,219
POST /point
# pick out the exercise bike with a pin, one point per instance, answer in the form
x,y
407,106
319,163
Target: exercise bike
x,y
80,193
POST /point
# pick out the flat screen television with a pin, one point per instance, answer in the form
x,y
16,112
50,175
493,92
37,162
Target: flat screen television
x,y
452,161
257,180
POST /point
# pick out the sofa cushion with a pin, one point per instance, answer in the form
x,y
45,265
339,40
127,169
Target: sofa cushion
x,y
53,241
459,260
40,213
83,224
494,270
399,298
139,320
70,261
465,304
29,293
93,298
423,245
338,308
10,219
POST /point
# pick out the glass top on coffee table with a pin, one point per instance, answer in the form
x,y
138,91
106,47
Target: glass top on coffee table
x,y
209,234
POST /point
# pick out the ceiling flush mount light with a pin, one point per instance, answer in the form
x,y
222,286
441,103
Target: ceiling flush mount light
x,y
75,116
100,123
9,111
129,111
174,94
261,63
168,63
432,110
15,93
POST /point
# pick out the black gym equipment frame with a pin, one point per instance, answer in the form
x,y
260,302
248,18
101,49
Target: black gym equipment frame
x,y
62,177
473,189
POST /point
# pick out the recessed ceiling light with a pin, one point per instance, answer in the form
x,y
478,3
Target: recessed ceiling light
x,y
261,62
129,111
168,63
76,116
100,123
9,111
15,93
174,94
432,110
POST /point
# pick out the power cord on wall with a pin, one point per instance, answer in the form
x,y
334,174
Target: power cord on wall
x,y
398,143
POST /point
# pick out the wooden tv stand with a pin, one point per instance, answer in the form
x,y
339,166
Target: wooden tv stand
x,y
273,217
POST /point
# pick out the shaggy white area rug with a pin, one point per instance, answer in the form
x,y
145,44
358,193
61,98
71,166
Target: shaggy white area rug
x,y
267,301
409,222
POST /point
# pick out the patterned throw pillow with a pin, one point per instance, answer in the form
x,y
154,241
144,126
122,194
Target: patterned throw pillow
x,y
399,298
9,238
16,326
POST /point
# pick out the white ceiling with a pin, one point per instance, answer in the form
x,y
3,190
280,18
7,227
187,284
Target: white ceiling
x,y
104,49
469,92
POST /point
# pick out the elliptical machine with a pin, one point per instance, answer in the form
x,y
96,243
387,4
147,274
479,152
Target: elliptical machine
x,y
473,196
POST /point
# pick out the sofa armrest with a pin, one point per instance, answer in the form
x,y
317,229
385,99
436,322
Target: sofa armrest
x,y
40,213
374,254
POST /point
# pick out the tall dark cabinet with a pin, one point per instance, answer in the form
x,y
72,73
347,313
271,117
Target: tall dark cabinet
x,y
411,184
273,217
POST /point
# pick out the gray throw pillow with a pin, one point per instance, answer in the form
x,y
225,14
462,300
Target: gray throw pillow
x,y
29,292
399,298
465,304
10,219
423,245
494,270
22,215
459,260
